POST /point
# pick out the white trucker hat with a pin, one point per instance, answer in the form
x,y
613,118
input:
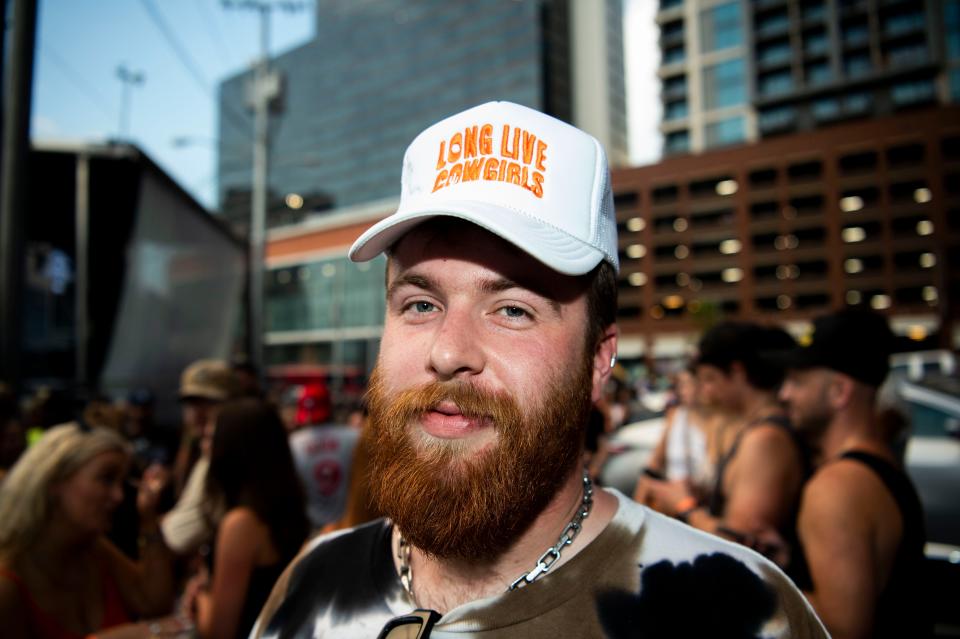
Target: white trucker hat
x,y
535,181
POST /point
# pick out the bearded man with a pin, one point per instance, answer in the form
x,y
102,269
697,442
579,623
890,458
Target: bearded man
x,y
499,335
861,524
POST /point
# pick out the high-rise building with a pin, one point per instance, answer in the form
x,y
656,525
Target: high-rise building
x,y
735,71
379,71
864,214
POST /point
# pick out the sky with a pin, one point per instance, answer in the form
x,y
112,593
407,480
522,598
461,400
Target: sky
x,y
184,48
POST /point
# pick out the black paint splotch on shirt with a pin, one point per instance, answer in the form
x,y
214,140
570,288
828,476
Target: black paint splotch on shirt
x,y
714,596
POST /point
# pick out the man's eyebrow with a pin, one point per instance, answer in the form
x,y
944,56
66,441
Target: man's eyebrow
x,y
412,279
501,284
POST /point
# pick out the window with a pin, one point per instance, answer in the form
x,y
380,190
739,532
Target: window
x,y
907,53
813,11
906,155
672,55
857,65
675,87
855,33
724,132
675,110
858,162
763,177
826,109
777,118
818,73
724,84
670,4
912,92
677,142
672,30
662,194
857,103
772,23
802,171
773,52
902,23
815,42
720,27
775,83
951,14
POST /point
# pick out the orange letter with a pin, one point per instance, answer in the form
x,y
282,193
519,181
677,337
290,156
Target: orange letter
x,y
490,169
456,172
528,140
537,184
456,140
513,174
441,181
471,170
440,160
470,142
486,141
541,147
505,143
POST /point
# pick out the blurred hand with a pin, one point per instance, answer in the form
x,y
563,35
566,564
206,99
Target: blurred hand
x,y
197,584
662,495
155,479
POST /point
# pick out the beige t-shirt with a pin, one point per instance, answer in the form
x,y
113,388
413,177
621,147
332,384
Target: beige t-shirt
x,y
645,575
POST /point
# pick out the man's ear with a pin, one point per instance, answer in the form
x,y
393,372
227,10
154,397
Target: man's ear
x,y
604,357
839,391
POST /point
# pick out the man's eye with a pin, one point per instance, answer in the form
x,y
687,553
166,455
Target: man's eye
x,y
514,312
423,307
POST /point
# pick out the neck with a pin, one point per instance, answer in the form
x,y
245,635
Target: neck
x,y
57,555
758,404
852,429
443,584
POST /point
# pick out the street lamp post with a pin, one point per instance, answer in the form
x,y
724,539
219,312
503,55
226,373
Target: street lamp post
x,y
128,80
266,87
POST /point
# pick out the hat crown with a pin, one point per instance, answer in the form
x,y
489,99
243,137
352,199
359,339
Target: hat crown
x,y
539,183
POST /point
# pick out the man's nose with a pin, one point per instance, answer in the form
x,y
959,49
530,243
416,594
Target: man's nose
x,y
456,350
785,391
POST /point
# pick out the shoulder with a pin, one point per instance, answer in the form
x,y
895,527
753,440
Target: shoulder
x,y
243,526
345,570
725,582
767,434
840,491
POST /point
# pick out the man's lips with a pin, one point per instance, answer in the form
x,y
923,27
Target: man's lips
x,y
447,421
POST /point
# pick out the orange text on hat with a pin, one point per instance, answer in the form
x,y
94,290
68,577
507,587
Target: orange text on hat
x,y
471,155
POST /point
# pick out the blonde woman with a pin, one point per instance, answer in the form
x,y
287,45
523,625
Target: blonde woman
x,y
59,575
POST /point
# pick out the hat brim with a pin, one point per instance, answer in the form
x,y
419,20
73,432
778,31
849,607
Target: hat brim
x,y
555,248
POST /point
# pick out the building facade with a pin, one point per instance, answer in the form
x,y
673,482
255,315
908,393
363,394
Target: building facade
x,y
380,71
735,71
865,213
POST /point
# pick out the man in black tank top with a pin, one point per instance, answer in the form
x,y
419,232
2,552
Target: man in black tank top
x,y
860,524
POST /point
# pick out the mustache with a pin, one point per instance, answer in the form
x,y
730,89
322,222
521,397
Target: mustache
x,y
472,401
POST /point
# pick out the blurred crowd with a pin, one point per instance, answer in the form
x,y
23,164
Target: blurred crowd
x,y
117,525
112,523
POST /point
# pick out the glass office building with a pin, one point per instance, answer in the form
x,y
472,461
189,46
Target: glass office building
x,y
379,71
735,71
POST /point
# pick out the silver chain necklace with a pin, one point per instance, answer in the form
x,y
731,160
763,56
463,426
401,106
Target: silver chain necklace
x,y
544,563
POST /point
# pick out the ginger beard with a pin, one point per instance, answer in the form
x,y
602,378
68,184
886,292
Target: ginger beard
x,y
454,501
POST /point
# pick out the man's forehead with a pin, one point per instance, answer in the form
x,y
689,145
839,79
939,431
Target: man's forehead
x,y
454,239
